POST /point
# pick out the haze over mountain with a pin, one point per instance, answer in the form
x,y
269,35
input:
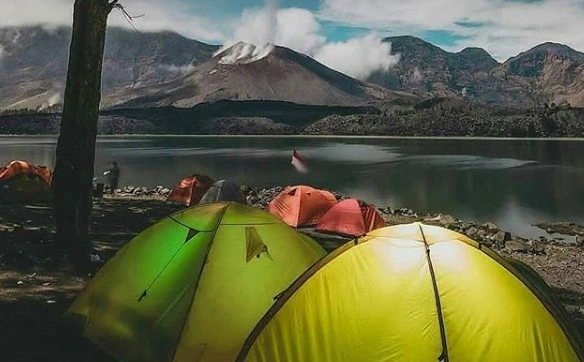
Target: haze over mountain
x,y
154,69
33,62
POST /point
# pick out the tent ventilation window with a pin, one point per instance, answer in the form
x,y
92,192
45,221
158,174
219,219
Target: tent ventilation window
x,y
255,246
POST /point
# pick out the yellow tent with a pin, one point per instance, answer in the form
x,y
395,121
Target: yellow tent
x,y
415,293
193,286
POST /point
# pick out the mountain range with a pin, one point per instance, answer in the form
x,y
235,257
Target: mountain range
x,y
166,69
549,72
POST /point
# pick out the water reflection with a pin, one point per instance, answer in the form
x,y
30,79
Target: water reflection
x,y
513,183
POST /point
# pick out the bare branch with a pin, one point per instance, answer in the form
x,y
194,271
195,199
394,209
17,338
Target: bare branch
x,y
114,4
126,14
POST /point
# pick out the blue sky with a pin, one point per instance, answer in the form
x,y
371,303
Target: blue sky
x,y
503,27
334,31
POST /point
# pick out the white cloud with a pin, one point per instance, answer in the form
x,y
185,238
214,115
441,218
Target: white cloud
x,y
169,15
503,28
182,69
158,15
26,12
357,57
298,29
508,27
417,76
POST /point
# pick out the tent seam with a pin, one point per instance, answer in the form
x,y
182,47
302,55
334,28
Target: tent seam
x,y
214,233
444,354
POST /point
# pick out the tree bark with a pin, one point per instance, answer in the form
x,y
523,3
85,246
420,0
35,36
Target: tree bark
x,y
75,155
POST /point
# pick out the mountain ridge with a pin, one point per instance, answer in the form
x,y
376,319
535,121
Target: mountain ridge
x,y
548,72
33,64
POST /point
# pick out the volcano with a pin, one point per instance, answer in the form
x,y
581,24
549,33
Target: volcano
x,y
246,72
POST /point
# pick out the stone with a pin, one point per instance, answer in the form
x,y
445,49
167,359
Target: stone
x,y
472,232
517,246
447,220
501,237
536,247
572,309
490,226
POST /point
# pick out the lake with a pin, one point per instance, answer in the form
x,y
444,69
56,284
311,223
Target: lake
x,y
513,183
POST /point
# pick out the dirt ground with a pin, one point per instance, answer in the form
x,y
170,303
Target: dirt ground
x,y
37,286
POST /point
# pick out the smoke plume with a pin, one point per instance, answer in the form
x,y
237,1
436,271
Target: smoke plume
x,y
299,30
272,12
255,37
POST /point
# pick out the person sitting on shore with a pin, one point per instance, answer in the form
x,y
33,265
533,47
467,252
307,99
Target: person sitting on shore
x,y
112,176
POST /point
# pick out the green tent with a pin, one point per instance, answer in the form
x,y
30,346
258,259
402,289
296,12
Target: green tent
x,y
193,286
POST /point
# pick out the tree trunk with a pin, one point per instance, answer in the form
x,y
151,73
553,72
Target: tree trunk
x,y
75,157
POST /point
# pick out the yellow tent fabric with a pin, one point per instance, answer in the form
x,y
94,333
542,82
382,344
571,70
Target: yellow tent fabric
x,y
414,293
193,286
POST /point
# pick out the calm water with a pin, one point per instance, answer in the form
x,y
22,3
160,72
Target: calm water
x,y
513,183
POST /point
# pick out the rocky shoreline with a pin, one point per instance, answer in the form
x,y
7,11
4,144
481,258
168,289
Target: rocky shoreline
x,y
488,234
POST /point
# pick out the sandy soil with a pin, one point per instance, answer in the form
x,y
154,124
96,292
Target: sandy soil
x,y
37,286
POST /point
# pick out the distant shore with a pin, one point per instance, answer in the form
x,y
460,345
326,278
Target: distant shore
x,y
446,138
442,119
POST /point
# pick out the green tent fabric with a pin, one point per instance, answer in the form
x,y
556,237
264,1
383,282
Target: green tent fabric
x,y
193,286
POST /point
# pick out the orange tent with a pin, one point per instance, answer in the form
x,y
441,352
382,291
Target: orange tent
x,y
16,168
21,181
351,217
190,189
301,205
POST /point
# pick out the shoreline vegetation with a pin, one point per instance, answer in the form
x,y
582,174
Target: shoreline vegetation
x,y
38,285
431,118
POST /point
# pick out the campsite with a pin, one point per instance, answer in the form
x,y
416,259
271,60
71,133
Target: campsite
x,y
36,277
291,181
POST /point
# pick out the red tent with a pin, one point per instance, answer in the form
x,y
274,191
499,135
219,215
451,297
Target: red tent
x,y
351,217
190,189
301,205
